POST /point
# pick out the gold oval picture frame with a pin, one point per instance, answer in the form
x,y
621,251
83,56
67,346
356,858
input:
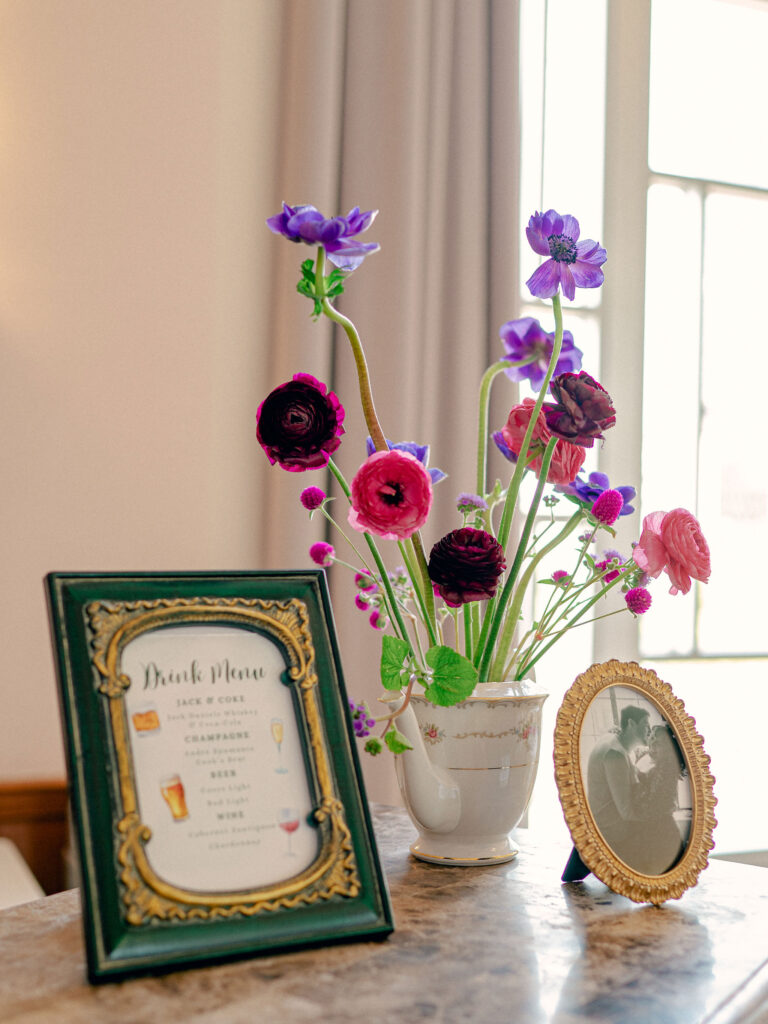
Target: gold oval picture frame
x,y
634,782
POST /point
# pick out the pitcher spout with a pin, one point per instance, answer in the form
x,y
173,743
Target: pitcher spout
x,y
430,794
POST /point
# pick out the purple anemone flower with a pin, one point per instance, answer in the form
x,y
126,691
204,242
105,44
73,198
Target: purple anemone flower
x,y
501,444
586,492
572,264
418,451
526,337
337,234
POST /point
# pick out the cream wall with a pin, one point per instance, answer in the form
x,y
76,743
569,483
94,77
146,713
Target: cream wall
x,y
134,163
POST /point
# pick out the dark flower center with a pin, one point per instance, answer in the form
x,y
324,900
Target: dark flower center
x,y
562,248
392,493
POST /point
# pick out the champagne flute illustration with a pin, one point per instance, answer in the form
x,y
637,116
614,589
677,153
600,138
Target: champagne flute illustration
x,y
288,820
276,727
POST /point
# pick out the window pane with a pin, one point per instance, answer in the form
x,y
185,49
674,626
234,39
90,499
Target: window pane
x,y
714,693
562,140
671,391
708,90
733,498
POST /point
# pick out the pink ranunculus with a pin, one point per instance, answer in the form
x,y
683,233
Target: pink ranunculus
x,y
567,459
391,495
673,542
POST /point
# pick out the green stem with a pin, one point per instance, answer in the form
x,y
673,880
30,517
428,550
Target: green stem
x,y
482,420
530,663
426,582
522,458
519,555
571,595
363,377
467,632
517,602
385,581
415,576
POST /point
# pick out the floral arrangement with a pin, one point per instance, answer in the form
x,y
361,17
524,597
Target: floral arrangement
x,y
454,617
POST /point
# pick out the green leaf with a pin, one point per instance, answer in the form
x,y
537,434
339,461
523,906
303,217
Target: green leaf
x,y
334,283
453,676
396,742
373,746
307,286
394,651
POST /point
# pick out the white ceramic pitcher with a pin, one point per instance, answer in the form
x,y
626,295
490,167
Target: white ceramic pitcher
x,y
468,780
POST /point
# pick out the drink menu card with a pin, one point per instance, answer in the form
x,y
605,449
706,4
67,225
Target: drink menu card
x,y
220,776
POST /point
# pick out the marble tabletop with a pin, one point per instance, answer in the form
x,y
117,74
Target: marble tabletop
x,y
508,943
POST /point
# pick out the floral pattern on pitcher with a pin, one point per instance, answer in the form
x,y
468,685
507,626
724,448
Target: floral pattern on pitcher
x,y
525,731
432,733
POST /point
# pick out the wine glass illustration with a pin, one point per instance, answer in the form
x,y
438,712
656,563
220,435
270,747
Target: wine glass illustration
x,y
276,728
288,820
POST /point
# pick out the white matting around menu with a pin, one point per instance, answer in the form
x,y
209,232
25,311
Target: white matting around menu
x,y
220,775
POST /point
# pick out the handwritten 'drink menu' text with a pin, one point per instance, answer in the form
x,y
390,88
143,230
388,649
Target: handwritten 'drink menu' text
x,y
218,762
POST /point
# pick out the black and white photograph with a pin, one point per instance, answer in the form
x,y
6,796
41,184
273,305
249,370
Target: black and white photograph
x,y
636,780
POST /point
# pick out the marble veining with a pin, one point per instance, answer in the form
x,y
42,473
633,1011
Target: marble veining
x,y
508,943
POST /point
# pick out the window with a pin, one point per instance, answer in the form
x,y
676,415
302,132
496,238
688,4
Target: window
x,y
688,202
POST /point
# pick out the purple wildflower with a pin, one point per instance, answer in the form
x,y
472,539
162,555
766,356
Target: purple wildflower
x,y
561,577
572,264
322,553
312,498
377,619
361,718
418,451
467,503
586,492
526,337
337,234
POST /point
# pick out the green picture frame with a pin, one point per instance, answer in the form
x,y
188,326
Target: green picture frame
x,y
217,797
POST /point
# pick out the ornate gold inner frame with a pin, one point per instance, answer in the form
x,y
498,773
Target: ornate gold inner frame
x,y
593,849
147,898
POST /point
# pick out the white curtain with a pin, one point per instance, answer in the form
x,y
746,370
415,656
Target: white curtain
x,y
411,107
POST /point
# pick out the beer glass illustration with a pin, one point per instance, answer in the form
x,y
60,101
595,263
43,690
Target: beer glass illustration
x,y
146,720
172,789
288,820
276,728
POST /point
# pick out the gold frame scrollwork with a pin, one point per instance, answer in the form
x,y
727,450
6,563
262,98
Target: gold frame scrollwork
x,y
596,854
147,898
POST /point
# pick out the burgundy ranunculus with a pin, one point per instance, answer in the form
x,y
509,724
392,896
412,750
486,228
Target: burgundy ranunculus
x,y
466,565
582,410
299,424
